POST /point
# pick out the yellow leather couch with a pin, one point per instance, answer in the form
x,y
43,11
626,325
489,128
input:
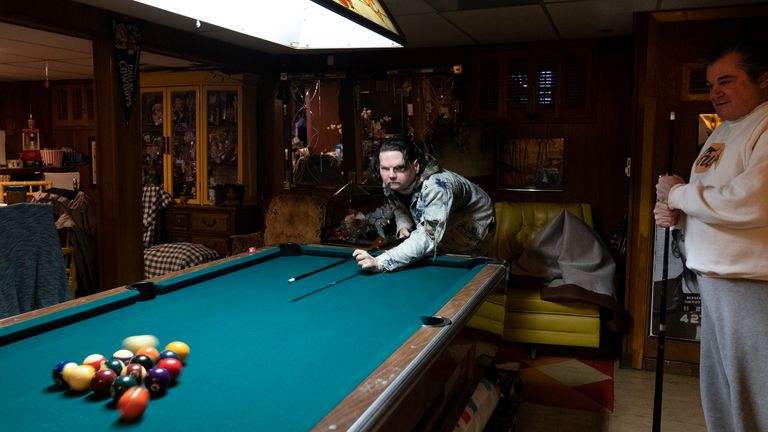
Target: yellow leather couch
x,y
519,314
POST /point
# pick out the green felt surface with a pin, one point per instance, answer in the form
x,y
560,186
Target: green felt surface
x,y
257,362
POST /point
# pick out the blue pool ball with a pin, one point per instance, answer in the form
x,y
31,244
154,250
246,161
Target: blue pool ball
x,y
168,354
58,372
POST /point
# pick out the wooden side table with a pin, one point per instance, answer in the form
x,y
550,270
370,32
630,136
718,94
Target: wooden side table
x,y
210,225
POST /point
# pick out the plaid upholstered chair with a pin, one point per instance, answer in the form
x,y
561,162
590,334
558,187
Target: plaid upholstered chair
x,y
164,258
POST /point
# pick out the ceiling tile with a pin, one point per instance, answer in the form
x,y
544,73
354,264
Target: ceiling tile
x,y
425,30
408,7
500,25
596,18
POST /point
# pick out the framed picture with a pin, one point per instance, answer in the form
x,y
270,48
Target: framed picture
x,y
531,164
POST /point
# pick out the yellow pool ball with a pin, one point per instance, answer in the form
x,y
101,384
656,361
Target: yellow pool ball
x,y
179,348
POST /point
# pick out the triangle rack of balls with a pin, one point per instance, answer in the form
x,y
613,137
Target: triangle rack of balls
x,y
131,376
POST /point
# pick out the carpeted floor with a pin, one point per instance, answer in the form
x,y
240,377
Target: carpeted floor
x,y
569,382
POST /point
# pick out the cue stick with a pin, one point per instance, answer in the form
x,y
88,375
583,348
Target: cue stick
x,y
346,278
377,244
663,300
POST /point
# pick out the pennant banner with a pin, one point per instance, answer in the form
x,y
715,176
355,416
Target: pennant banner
x,y
127,51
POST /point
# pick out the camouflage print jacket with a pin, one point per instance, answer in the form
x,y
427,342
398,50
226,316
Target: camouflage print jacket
x,y
446,214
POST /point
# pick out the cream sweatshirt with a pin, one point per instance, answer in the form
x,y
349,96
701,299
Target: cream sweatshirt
x,y
725,203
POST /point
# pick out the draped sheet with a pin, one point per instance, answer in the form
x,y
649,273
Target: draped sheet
x,y
568,261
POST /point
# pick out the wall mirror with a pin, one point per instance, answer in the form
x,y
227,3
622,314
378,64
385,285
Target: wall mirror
x,y
315,149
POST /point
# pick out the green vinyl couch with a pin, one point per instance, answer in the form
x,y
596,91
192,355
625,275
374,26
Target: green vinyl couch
x,y
519,314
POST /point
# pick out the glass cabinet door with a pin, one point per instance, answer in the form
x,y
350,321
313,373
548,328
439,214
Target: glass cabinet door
x,y
152,138
183,133
222,139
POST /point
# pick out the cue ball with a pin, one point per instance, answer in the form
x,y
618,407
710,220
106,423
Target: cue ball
x,y
133,403
251,249
133,343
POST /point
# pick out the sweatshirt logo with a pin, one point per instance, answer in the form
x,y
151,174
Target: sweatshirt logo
x,y
710,157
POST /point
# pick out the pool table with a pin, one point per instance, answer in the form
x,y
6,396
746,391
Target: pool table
x,y
340,349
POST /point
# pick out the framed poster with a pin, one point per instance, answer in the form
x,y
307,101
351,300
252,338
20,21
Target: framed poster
x,y
531,164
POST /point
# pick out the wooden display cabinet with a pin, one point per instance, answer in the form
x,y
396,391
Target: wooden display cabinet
x,y
197,130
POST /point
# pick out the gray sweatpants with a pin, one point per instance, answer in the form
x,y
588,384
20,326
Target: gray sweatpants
x,y
734,351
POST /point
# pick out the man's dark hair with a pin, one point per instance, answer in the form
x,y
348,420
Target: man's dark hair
x,y
754,56
411,151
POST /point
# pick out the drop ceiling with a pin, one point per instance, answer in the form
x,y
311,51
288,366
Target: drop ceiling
x,y
28,55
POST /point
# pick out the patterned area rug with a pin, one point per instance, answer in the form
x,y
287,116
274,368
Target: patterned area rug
x,y
568,382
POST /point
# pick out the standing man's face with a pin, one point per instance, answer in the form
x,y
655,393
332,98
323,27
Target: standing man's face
x,y
732,92
395,172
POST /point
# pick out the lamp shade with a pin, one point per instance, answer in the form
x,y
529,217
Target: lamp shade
x,y
300,24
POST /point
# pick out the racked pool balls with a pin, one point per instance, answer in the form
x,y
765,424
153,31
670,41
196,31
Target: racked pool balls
x,y
121,385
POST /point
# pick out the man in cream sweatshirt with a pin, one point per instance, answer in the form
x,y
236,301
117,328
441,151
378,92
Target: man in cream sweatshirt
x,y
723,213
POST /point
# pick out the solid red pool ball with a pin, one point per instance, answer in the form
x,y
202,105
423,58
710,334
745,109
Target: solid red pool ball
x,y
133,403
101,384
251,249
172,365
